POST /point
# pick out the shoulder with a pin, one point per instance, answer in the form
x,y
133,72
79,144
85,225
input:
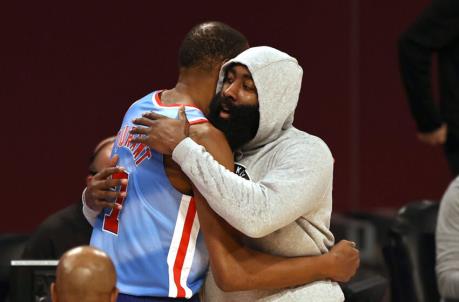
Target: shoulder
x,y
147,99
299,144
448,214
70,215
450,200
206,132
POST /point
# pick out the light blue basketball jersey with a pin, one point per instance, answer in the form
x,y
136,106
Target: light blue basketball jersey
x,y
154,240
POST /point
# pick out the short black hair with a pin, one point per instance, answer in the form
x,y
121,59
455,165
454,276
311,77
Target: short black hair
x,y
210,43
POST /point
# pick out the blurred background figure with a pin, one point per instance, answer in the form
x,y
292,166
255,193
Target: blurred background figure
x,y
84,274
436,31
68,227
447,243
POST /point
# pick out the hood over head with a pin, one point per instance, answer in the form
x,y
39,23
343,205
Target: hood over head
x,y
277,77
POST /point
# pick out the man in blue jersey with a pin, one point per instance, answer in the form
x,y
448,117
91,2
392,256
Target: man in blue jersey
x,y
152,231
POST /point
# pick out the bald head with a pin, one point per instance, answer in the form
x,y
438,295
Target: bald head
x,y
84,274
100,158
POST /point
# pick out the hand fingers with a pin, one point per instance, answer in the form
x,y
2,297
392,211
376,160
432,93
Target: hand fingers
x,y
108,204
104,190
182,114
143,121
107,172
182,117
109,195
109,183
140,140
344,241
139,130
153,116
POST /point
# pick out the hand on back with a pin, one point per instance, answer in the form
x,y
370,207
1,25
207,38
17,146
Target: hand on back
x,y
160,132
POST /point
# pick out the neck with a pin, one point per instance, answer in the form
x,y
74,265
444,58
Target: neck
x,y
194,87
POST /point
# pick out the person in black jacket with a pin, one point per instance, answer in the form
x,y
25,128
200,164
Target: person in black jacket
x,y
436,31
67,228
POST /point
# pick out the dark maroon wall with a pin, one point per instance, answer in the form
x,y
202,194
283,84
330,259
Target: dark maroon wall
x,y
69,72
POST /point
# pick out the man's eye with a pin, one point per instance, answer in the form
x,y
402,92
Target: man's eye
x,y
248,87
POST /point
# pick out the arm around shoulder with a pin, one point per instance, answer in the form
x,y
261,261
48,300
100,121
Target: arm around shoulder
x,y
257,270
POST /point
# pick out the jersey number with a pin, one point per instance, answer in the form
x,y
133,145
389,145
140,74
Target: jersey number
x,y
111,220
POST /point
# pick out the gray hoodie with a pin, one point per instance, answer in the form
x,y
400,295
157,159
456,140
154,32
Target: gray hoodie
x,y
285,207
447,242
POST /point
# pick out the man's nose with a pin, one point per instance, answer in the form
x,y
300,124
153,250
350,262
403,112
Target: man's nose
x,y
230,91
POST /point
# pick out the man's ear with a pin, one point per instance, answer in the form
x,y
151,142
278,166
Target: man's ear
x,y
88,179
114,295
52,290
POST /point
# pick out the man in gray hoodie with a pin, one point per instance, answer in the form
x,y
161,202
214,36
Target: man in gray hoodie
x,y
283,203
447,242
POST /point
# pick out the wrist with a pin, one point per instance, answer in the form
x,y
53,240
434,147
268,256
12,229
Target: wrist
x,y
182,149
177,142
327,263
85,198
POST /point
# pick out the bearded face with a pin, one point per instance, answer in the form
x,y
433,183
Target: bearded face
x,y
239,123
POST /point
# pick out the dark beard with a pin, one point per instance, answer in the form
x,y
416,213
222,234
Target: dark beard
x,y
241,126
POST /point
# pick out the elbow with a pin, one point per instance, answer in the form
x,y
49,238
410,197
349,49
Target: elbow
x,y
228,281
229,274
257,233
225,284
254,230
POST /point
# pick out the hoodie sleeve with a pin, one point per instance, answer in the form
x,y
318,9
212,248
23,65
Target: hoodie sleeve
x,y
447,243
297,179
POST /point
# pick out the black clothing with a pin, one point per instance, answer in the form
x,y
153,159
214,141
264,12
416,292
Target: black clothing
x,y
60,232
436,30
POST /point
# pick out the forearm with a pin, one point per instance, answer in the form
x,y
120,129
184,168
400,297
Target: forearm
x,y
415,70
272,272
253,269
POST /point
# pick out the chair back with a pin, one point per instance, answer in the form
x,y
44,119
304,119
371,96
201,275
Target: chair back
x,y
11,247
410,253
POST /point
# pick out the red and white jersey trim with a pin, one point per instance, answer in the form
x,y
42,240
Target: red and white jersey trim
x,y
157,101
182,248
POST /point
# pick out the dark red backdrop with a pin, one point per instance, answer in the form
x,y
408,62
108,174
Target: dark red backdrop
x,y
70,70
